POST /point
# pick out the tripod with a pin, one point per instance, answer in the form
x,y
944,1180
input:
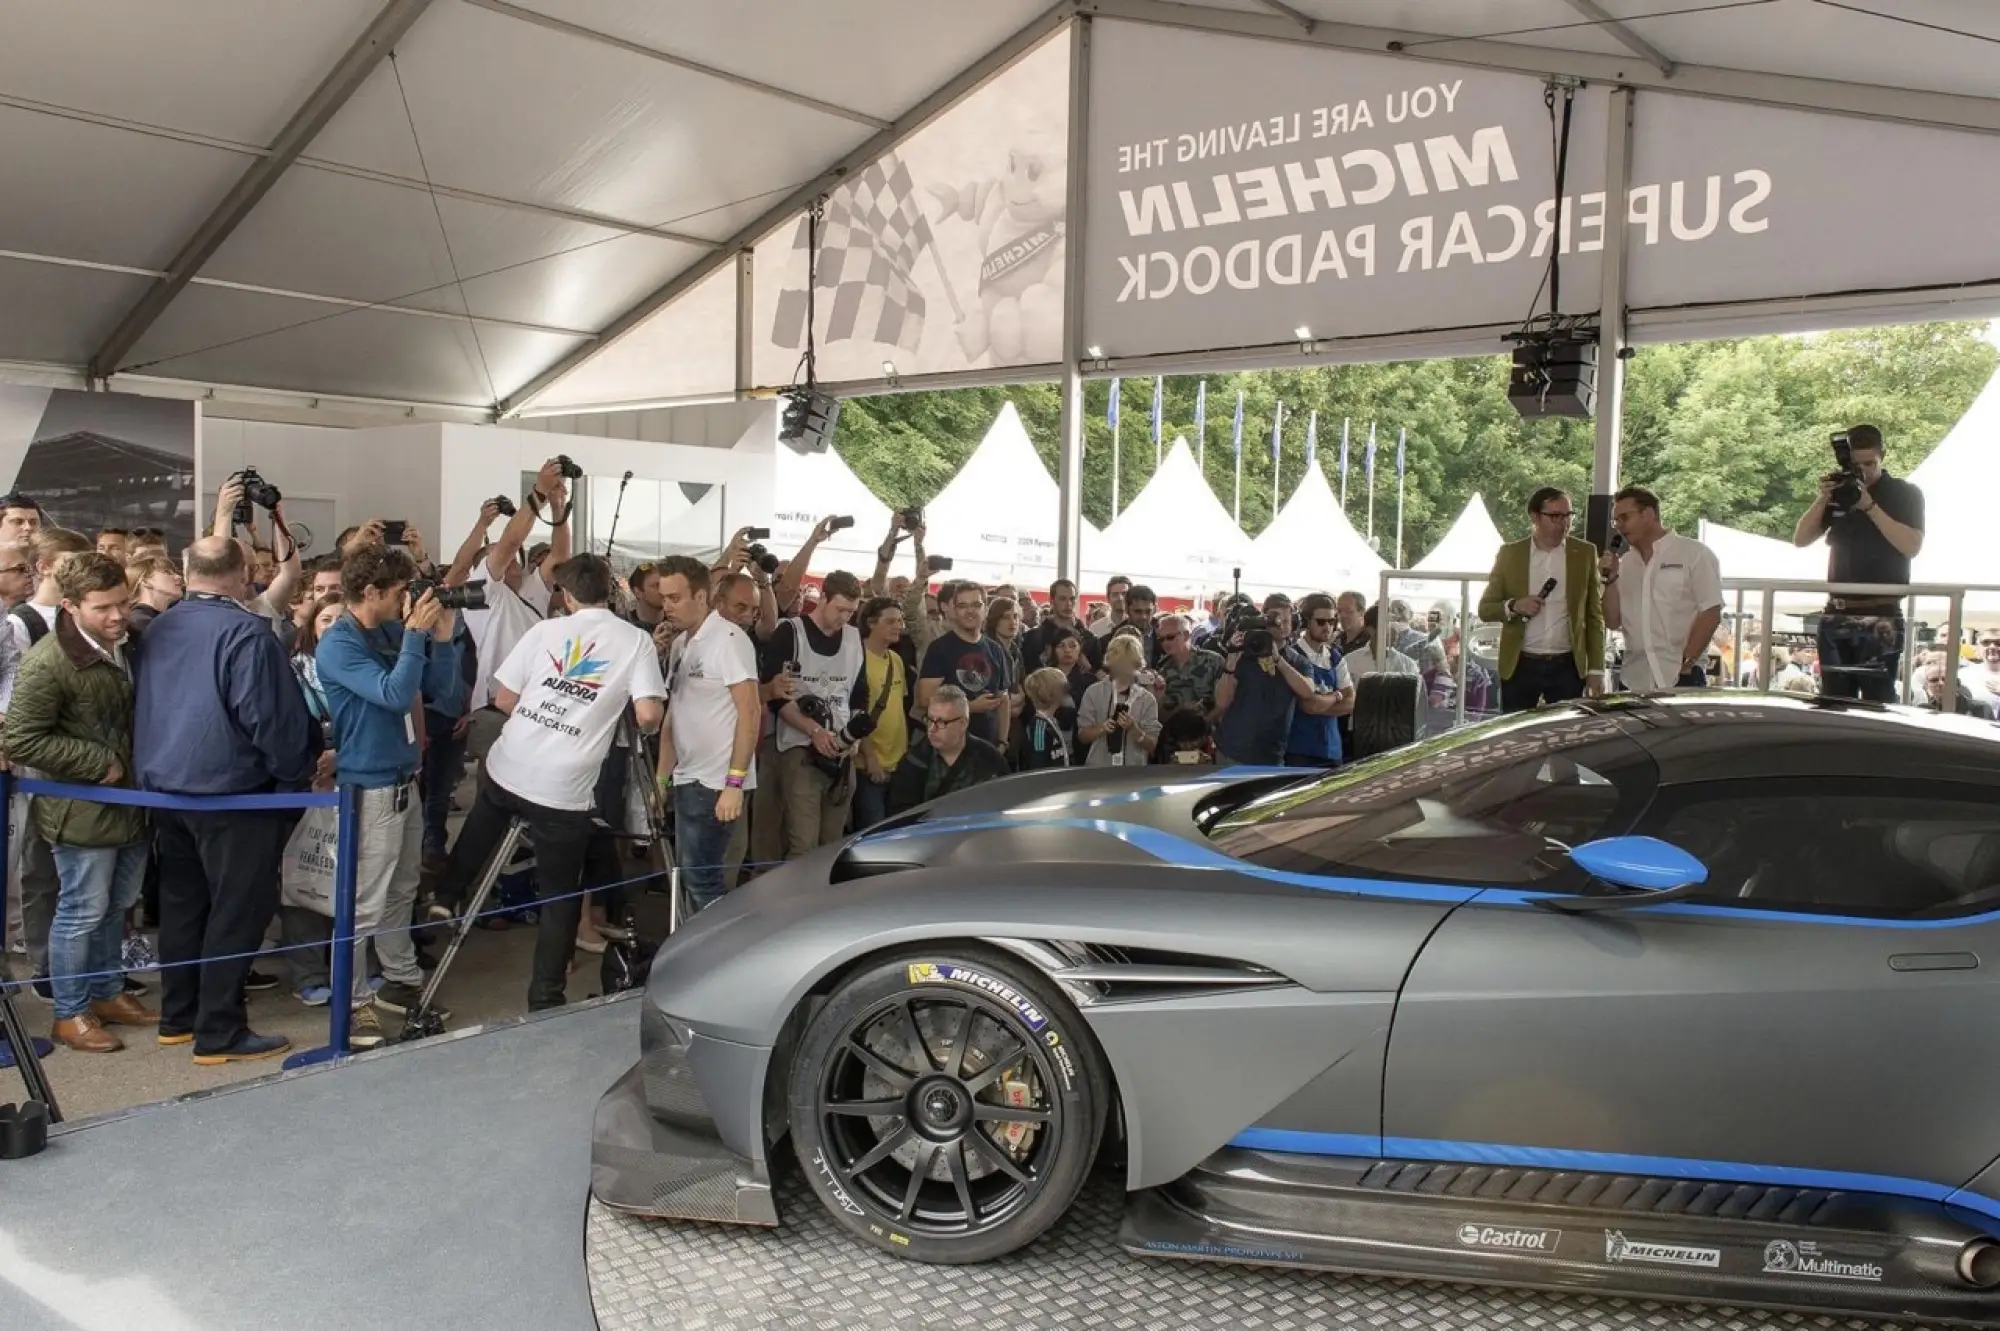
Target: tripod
x,y
420,1021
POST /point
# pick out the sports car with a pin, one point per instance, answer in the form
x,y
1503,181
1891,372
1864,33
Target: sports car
x,y
1687,996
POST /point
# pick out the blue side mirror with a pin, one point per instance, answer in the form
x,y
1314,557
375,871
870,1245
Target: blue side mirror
x,y
1643,863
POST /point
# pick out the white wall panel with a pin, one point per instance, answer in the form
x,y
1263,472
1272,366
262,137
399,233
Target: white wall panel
x,y
364,474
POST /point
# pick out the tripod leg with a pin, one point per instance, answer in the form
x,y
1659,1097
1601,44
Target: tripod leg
x,y
419,1020
25,1058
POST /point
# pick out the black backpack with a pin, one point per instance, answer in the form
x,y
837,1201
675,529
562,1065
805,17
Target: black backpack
x,y
31,619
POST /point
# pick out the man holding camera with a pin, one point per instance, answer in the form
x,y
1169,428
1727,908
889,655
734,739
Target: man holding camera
x,y
564,690
517,593
1265,680
373,664
1874,526
816,729
1546,589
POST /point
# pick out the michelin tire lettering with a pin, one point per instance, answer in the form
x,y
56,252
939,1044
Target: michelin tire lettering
x,y
945,972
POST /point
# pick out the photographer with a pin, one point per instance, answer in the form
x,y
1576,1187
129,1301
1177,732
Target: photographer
x,y
1874,527
909,593
273,599
1119,719
517,593
814,741
1263,682
372,664
564,689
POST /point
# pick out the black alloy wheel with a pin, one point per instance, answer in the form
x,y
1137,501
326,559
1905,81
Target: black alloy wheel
x,y
947,1106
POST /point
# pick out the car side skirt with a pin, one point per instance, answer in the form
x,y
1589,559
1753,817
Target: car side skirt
x,y
1709,1241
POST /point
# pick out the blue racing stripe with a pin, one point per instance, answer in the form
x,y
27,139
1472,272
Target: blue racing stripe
x,y
1607,1162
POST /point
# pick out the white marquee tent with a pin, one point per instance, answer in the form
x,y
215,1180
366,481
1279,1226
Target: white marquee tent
x,y
1174,536
1959,480
1311,546
997,517
820,485
1468,546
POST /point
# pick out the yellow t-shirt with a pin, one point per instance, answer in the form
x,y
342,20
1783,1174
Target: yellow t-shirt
x,y
891,739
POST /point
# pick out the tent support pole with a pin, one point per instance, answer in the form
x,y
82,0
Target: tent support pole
x,y
1069,462
746,308
1611,324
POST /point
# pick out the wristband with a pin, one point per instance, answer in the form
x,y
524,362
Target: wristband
x,y
733,782
739,771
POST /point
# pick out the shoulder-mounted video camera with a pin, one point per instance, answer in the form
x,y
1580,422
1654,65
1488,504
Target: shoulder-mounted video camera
x,y
1846,478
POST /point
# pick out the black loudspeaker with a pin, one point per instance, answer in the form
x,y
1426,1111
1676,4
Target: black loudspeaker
x,y
1554,378
808,420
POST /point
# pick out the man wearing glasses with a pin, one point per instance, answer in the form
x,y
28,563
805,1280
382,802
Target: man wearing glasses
x,y
1545,590
1188,674
948,758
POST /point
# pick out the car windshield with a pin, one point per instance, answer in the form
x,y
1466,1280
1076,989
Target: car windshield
x,y
1497,803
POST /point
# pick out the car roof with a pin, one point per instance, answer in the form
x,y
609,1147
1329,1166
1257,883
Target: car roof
x,y
1726,734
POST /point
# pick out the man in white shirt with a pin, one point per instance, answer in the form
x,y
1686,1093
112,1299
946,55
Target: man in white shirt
x,y
713,720
1665,592
563,688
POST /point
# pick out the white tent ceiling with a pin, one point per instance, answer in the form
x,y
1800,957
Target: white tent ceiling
x,y
1312,547
240,193
1174,536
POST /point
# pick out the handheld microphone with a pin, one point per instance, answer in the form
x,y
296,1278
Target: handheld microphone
x,y
1547,587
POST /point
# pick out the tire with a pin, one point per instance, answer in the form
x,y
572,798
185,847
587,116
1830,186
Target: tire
x,y
1001,1043
1385,712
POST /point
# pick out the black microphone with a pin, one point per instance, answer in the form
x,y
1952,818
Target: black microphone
x,y
626,477
1547,587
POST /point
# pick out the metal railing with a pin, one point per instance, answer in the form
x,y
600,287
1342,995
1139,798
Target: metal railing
x,y
1766,590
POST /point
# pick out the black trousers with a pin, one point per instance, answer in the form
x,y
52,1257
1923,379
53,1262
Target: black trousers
x,y
1537,680
218,893
561,838
1859,655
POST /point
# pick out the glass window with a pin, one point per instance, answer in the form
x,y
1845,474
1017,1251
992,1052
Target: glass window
x,y
1495,804
1930,849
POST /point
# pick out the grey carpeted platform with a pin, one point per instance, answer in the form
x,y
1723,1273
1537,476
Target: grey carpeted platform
x,y
442,1184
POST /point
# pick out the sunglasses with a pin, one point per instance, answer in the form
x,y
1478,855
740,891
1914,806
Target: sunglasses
x,y
1322,621
1164,639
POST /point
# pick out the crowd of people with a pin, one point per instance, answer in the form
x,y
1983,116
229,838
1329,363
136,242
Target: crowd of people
x,y
772,717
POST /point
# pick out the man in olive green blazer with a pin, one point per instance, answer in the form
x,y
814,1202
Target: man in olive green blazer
x,y
1551,648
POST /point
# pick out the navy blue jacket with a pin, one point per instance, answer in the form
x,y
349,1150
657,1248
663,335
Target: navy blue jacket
x,y
217,708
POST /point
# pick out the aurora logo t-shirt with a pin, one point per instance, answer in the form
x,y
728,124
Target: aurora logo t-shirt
x,y
575,676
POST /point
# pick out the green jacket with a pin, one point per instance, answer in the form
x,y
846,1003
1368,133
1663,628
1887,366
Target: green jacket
x,y
70,718
1582,587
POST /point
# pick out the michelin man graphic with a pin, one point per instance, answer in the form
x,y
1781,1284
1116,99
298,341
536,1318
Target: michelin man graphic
x,y
1019,216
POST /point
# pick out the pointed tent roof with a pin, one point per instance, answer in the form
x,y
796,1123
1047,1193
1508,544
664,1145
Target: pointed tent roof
x,y
998,517
812,486
1311,546
1470,544
1174,536
1959,479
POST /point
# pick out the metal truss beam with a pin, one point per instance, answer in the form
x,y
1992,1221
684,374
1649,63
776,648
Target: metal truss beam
x,y
340,84
1624,36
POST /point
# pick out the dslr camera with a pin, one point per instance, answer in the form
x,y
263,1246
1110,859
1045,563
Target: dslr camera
x,y
503,505
570,471
762,558
1846,478
909,519
859,727
256,491
469,596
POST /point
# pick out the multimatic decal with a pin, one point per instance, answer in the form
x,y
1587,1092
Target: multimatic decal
x,y
1618,1248
1060,1052
1508,1237
1805,1258
1226,1250
847,1203
944,972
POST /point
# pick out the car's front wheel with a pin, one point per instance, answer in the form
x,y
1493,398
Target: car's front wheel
x,y
947,1104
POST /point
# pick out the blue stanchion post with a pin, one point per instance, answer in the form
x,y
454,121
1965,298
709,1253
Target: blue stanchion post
x,y
347,845
6,843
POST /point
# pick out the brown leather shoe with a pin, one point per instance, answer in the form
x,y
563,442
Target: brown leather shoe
x,y
124,1010
86,1036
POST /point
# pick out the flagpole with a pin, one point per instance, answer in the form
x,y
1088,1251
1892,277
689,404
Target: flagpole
x,y
1238,509
1114,468
1399,496
1277,459
1343,464
1371,483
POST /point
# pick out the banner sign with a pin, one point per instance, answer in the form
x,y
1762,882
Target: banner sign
x,y
1243,189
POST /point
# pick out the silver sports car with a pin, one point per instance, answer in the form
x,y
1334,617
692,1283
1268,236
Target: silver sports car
x,y
1687,996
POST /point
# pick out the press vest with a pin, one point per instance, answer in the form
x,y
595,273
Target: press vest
x,y
830,678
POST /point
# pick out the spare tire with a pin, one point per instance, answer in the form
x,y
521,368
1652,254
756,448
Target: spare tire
x,y
1385,712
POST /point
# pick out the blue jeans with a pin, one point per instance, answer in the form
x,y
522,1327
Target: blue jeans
x,y
99,884
871,802
444,765
701,842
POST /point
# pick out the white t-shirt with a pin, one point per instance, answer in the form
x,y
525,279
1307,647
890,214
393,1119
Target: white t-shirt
x,y
19,633
1547,634
575,676
499,628
701,716
1657,604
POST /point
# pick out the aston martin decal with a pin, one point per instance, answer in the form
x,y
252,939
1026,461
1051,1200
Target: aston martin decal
x,y
944,972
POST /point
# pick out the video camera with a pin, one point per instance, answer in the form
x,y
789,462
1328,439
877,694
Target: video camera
x,y
859,727
256,491
470,596
1846,478
1246,629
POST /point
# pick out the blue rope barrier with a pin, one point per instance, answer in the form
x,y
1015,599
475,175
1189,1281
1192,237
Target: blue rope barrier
x,y
151,799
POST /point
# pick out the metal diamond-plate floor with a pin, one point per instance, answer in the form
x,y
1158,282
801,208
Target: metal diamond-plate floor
x,y
810,1276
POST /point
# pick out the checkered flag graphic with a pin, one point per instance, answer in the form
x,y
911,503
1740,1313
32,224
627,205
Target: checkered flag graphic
x,y
870,238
